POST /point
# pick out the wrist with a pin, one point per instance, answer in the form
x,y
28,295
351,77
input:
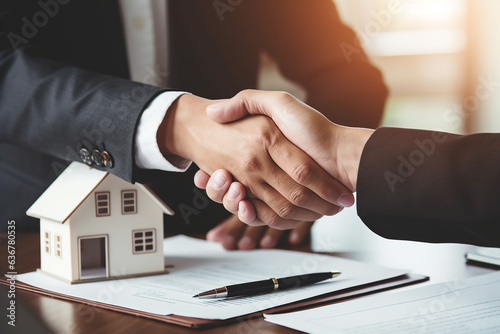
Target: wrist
x,y
173,135
350,143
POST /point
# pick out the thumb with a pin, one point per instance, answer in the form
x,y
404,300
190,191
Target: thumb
x,y
248,102
227,111
256,102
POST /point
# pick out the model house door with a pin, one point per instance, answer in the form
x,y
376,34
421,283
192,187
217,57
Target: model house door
x,y
93,257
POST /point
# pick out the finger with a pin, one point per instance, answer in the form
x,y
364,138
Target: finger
x,y
249,102
300,233
218,185
228,232
282,206
304,171
250,237
201,179
280,193
247,214
287,113
294,237
267,216
271,237
226,111
235,194
301,196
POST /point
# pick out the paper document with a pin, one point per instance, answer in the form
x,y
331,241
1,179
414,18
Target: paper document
x,y
466,306
199,265
485,255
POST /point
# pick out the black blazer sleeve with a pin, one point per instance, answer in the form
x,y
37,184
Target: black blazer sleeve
x,y
431,186
56,107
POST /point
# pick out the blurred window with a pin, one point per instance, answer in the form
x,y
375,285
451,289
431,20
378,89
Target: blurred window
x,y
420,46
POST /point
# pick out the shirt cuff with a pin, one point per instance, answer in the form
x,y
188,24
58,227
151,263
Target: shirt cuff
x,y
147,151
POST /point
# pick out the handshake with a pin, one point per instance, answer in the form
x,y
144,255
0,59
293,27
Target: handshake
x,y
269,158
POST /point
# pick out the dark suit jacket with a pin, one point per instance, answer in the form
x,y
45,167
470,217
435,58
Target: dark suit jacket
x,y
431,186
64,82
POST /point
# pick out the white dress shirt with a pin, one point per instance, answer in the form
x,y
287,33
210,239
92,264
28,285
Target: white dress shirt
x,y
146,39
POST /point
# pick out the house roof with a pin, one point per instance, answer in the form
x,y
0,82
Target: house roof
x,y
71,188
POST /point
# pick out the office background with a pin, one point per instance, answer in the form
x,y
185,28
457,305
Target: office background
x,y
440,60
433,54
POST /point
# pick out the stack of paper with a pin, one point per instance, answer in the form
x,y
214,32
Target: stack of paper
x,y
198,265
466,306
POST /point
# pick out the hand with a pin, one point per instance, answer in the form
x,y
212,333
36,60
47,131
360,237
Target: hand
x,y
230,193
233,234
337,149
283,183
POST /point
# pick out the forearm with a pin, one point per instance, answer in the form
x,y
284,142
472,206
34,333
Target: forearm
x,y
58,109
430,186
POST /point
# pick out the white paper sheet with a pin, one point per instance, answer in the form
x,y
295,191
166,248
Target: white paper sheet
x,y
199,265
465,306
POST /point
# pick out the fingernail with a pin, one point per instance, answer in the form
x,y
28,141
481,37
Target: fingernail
x,y
218,181
215,107
211,235
246,243
346,200
241,208
214,234
228,242
267,242
232,193
294,238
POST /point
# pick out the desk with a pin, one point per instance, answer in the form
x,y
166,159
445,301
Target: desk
x,y
440,262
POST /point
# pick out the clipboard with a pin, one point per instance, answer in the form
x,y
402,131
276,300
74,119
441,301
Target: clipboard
x,y
198,323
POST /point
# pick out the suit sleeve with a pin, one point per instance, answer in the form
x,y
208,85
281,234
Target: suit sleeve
x,y
57,109
431,186
313,48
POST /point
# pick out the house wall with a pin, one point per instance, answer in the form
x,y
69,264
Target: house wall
x,y
119,227
51,263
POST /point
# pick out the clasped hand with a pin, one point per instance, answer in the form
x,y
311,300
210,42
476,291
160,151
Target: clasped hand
x,y
310,131
281,185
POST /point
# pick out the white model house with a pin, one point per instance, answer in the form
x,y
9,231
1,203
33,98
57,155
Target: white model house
x,y
95,226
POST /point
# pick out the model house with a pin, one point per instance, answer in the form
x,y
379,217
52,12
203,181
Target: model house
x,y
95,226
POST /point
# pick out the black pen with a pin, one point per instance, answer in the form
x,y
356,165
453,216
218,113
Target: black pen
x,y
268,285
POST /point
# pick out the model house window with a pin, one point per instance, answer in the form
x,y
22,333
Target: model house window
x,y
143,241
129,202
58,241
47,242
102,204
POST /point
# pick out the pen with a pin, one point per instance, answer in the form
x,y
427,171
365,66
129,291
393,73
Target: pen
x,y
268,285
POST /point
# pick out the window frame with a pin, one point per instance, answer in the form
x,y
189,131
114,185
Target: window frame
x,y
47,243
142,241
99,201
127,205
58,245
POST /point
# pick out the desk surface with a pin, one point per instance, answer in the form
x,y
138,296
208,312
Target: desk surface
x,y
440,262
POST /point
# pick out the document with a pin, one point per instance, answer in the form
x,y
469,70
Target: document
x,y
465,306
198,265
485,255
